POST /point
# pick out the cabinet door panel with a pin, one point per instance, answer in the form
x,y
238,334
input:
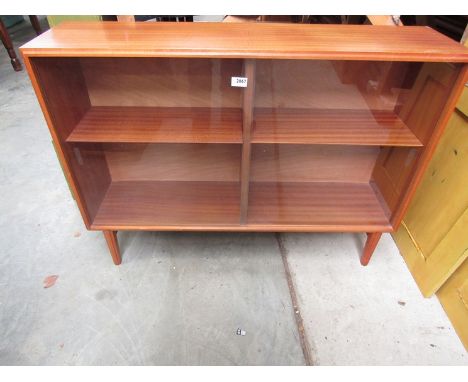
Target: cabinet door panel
x,y
454,298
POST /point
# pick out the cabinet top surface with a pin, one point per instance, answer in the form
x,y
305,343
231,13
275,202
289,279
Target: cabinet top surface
x,y
246,40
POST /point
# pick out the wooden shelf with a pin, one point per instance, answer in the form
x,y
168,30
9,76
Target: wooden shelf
x,y
151,204
317,206
331,126
273,206
155,124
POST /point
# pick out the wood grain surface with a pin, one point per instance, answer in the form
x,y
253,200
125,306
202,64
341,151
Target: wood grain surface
x,y
169,203
162,82
331,126
214,206
173,162
322,205
153,124
246,40
312,163
135,134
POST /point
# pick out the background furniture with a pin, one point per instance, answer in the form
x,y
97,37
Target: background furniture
x,y
173,18
55,20
6,40
313,142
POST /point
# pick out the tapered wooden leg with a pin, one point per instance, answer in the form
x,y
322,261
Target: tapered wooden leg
x,y
371,242
6,40
35,24
113,244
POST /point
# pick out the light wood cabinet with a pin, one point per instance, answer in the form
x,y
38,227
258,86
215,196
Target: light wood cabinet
x,y
154,134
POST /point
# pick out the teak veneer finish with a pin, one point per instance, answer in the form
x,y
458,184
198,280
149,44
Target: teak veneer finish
x,y
332,133
246,40
350,127
172,162
156,124
345,206
155,205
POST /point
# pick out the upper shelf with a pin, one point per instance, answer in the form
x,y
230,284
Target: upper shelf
x,y
159,124
331,126
246,40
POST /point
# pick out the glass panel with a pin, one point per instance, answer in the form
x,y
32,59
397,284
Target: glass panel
x,y
323,186
157,142
151,142
162,184
349,102
161,100
335,142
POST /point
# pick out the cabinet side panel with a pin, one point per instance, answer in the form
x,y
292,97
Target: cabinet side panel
x,y
63,89
420,109
89,165
393,168
380,83
64,92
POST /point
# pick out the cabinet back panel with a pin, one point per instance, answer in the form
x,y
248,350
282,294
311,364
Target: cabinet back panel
x,y
173,162
93,178
303,84
312,163
362,85
162,82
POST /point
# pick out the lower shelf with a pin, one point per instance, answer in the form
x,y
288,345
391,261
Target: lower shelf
x,y
148,204
215,206
320,206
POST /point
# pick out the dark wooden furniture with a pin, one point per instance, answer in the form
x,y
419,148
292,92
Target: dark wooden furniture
x,y
6,40
152,136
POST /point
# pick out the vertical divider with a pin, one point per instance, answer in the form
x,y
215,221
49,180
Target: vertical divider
x,y
247,125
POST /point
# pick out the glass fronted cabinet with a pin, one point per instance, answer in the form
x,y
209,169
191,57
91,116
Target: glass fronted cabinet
x,y
238,134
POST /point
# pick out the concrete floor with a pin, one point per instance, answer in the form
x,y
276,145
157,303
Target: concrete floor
x,y
178,298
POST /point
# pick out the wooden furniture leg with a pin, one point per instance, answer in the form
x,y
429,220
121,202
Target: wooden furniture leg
x,y
371,242
35,24
113,244
6,40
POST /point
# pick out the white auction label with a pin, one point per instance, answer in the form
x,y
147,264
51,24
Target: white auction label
x,y
239,82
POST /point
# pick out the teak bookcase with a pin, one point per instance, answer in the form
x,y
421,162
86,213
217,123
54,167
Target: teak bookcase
x,y
332,132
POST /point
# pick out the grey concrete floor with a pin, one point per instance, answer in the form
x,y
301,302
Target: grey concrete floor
x,y
178,298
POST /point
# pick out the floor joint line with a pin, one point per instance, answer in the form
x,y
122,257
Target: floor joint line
x,y
309,359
